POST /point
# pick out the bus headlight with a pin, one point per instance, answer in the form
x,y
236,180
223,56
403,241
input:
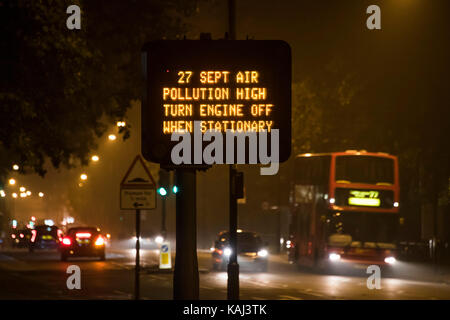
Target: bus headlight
x,y
390,260
262,253
227,252
334,257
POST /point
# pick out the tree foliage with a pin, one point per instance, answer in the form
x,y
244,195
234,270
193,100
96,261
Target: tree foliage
x,y
58,86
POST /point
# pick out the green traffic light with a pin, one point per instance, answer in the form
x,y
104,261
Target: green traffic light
x,y
175,189
162,191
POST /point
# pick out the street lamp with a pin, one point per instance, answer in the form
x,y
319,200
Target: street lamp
x,y
112,137
15,167
95,158
12,181
2,193
83,177
22,189
41,194
14,195
121,123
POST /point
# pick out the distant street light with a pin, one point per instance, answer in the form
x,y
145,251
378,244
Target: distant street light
x,y
14,195
83,176
15,167
12,181
23,195
112,137
2,193
95,158
121,123
28,193
22,189
41,194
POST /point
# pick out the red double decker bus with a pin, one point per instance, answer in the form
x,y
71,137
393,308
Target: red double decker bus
x,y
344,209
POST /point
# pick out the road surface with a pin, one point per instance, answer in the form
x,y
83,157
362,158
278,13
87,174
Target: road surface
x,y
41,275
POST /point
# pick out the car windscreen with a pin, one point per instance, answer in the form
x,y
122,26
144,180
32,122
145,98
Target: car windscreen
x,y
74,231
246,241
47,230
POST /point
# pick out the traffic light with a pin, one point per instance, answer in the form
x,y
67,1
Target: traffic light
x,y
162,191
164,182
175,189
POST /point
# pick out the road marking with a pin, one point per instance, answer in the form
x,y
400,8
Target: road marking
x,y
206,287
4,257
257,298
289,297
158,277
309,291
120,265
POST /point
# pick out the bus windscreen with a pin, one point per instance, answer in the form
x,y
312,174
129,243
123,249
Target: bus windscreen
x,y
365,169
365,226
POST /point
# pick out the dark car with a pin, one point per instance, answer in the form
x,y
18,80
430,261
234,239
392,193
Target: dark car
x,y
45,237
251,251
83,242
21,238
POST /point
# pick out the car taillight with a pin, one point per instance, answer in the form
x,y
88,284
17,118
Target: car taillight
x,y
66,241
33,236
219,251
100,241
60,235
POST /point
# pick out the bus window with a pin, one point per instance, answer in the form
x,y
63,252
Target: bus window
x,y
312,170
365,169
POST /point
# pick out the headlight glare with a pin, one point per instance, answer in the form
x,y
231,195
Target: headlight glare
x,y
227,252
390,260
262,253
334,257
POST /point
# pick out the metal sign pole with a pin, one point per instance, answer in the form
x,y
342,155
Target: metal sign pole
x,y
163,219
185,276
137,267
233,266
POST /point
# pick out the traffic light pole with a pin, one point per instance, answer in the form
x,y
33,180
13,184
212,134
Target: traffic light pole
x,y
163,218
185,278
233,266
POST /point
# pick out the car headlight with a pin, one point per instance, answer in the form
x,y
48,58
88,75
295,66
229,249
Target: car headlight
x,y
390,260
227,252
262,253
334,257
159,239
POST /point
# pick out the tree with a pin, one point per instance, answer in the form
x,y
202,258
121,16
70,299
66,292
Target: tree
x,y
60,88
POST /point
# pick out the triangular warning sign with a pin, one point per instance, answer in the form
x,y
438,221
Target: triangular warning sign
x,y
138,175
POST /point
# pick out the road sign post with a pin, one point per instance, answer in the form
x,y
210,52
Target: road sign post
x,y
137,192
186,278
137,263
